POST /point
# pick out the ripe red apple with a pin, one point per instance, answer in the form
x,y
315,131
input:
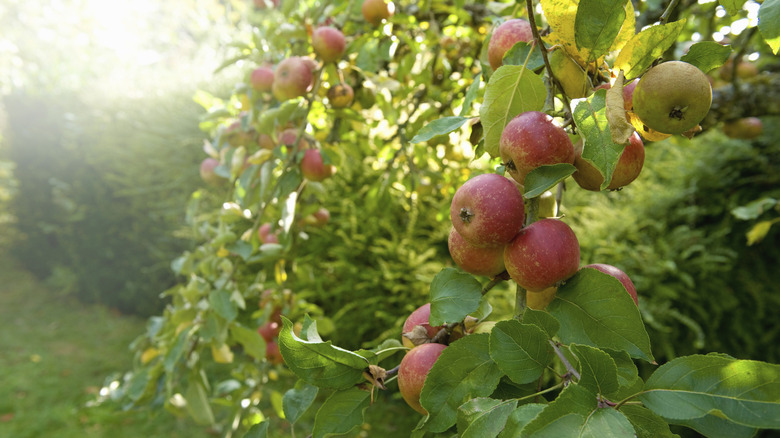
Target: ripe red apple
x,y
273,354
531,140
487,261
620,275
505,36
420,316
322,215
313,166
208,174
265,235
544,254
269,330
341,95
288,137
414,369
328,43
745,128
488,210
262,79
374,11
628,167
628,94
292,78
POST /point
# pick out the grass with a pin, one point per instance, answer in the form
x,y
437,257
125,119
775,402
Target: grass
x,y
55,354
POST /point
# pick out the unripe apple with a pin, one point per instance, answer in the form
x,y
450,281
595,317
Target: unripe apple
x,y
540,300
672,97
273,354
265,141
341,95
484,327
488,210
506,35
269,330
262,79
745,128
620,275
313,166
628,167
420,317
208,174
548,206
488,261
292,78
531,140
543,255
328,43
374,11
413,371
569,74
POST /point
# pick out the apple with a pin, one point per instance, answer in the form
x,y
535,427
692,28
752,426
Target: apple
x,y
484,327
420,317
374,11
506,35
265,235
487,261
265,141
487,210
263,4
236,136
530,140
744,128
288,136
208,174
322,215
543,255
273,354
262,79
269,330
627,169
328,43
548,206
628,94
620,275
341,96
413,371
672,97
292,78
313,166
540,300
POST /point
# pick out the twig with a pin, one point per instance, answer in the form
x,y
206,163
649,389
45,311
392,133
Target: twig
x,y
665,16
565,361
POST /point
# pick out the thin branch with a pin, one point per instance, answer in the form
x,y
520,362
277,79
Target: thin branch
x,y
665,16
565,361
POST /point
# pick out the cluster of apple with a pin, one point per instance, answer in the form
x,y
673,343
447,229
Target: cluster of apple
x,y
271,328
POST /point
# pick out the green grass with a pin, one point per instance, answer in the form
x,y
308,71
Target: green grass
x,y
54,356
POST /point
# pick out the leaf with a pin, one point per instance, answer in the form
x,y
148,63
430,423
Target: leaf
x,y
519,418
545,177
627,373
524,54
714,427
564,415
454,295
297,400
742,391
598,147
259,430
510,91
483,417
198,404
619,128
541,319
732,6
253,343
597,24
597,369
607,422
521,351
707,55
320,363
341,412
646,423
645,47
441,126
769,23
759,231
175,352
471,94
464,370
594,309
287,183
222,304
754,209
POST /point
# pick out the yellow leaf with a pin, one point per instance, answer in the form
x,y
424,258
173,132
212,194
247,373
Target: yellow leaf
x,y
222,354
619,127
149,354
261,156
759,231
222,252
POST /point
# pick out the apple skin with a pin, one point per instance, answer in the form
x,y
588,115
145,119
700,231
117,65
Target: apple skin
x,y
322,216
672,97
374,11
313,167
413,371
620,275
265,235
328,43
540,300
745,128
420,316
628,94
628,167
506,35
531,140
265,141
543,255
207,173
341,96
273,354
488,210
292,78
488,261
269,330
262,79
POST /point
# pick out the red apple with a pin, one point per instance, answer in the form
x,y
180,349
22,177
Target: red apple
x,y
628,94
313,166
341,95
328,43
414,369
745,128
543,255
628,167
487,261
269,330
322,216
420,317
265,235
531,140
620,275
273,354
208,174
374,11
288,137
262,79
292,79
488,210
505,36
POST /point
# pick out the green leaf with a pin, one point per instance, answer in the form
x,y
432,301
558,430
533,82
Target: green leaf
x,y
463,371
341,412
320,363
454,295
754,209
521,351
646,423
732,6
510,91
471,94
712,426
594,309
297,400
565,415
287,183
649,44
597,24
441,126
707,55
519,418
769,23
175,352
483,417
524,54
259,430
627,373
598,147
597,369
543,320
607,422
742,391
253,343
544,177
222,304
198,403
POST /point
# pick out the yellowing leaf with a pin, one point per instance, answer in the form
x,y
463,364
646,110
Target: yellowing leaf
x,y
645,47
149,354
261,156
619,127
222,252
759,231
222,354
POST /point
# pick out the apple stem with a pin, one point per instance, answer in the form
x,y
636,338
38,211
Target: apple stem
x,y
504,276
665,16
520,303
565,361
